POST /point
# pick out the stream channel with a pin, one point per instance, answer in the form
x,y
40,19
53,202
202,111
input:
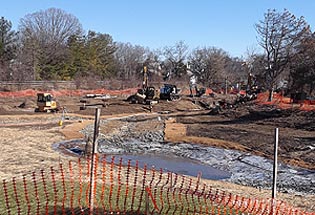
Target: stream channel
x,y
166,162
191,159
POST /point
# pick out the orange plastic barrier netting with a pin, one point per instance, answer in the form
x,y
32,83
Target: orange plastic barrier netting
x,y
284,102
121,187
32,93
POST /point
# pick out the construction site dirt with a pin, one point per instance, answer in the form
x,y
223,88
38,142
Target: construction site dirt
x,y
246,128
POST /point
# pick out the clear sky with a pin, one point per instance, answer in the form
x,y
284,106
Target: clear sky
x,y
226,24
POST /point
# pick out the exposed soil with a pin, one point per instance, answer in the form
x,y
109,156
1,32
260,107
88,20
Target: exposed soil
x,y
252,127
26,137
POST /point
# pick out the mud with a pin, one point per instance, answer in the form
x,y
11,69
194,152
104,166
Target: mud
x,y
215,163
238,139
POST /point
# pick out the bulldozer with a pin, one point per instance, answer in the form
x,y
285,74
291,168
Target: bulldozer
x,y
46,103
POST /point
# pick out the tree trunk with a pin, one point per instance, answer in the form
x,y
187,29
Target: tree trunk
x,y
311,88
270,97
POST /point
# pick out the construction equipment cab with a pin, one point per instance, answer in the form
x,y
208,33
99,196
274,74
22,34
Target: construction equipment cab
x,y
46,103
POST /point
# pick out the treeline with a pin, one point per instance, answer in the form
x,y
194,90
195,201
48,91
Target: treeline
x,y
52,45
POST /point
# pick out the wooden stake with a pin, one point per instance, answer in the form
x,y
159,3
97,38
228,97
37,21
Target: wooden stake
x,y
94,157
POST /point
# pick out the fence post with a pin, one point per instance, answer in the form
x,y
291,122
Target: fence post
x,y
275,171
94,157
275,164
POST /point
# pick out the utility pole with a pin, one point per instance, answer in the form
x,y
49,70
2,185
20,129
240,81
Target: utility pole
x,y
94,157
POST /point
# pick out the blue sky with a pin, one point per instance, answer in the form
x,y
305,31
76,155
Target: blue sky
x,y
226,24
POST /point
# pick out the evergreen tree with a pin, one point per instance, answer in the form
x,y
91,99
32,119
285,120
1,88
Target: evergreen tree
x,y
100,50
7,47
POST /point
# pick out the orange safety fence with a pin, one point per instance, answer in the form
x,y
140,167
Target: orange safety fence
x,y
129,91
123,188
32,93
284,102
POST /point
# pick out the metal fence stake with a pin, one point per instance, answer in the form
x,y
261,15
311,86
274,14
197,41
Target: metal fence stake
x,y
275,171
275,164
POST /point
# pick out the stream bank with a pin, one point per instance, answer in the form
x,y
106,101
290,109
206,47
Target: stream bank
x,y
131,141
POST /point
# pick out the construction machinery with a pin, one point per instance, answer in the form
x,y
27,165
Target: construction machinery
x,y
147,94
169,92
193,86
46,103
150,95
95,100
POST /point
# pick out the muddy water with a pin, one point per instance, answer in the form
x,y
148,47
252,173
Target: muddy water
x,y
167,162
190,159
179,165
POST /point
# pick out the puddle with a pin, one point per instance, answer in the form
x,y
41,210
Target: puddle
x,y
192,159
169,162
179,165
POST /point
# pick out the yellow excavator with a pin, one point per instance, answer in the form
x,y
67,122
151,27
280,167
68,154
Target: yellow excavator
x,y
147,94
46,103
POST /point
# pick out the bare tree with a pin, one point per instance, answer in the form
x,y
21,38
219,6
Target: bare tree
x,y
278,35
44,35
253,67
154,65
235,70
208,64
130,59
50,26
175,57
